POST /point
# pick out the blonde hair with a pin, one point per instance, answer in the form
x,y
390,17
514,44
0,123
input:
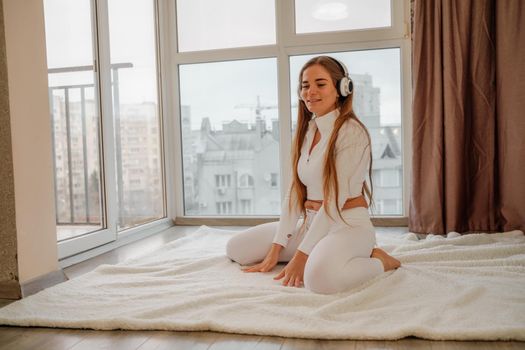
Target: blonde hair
x,y
346,113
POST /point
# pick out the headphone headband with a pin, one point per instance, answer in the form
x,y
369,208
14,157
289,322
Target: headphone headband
x,y
342,65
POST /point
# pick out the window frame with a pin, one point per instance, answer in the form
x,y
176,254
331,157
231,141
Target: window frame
x,y
395,31
76,249
287,44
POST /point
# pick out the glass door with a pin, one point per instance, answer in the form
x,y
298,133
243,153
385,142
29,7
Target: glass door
x,y
80,203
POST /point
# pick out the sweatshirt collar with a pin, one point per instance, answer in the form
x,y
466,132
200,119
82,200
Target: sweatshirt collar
x,y
325,123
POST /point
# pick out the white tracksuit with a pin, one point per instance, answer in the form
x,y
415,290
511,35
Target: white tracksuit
x,y
339,253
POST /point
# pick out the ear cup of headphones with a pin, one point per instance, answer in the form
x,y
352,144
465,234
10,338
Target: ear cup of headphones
x,y
346,86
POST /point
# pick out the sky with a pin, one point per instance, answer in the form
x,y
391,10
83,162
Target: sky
x,y
313,16
221,90
225,85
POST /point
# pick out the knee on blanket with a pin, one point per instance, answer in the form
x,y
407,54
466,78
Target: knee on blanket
x,y
319,279
234,251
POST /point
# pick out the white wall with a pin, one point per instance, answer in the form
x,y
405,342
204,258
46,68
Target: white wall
x,y
31,137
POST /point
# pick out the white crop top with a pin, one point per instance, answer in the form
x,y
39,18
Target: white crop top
x,y
352,160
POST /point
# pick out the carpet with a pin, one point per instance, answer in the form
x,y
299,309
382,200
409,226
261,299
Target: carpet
x,y
469,287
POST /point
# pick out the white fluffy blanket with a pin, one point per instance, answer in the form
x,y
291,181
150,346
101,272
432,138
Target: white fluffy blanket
x,y
459,288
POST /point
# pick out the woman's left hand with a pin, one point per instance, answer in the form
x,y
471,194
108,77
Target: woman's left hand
x,y
293,272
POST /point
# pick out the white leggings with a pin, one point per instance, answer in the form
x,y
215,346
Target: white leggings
x,y
340,260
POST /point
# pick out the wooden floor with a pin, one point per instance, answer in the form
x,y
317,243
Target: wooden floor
x,y
20,338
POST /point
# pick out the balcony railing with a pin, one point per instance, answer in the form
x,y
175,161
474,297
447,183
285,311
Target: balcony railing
x,y
81,198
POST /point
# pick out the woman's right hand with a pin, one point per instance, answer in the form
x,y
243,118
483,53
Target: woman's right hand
x,y
269,262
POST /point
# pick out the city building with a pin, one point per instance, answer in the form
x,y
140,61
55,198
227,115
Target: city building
x,y
77,163
235,170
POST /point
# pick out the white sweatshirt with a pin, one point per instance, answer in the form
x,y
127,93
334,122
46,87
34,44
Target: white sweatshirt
x,y
352,160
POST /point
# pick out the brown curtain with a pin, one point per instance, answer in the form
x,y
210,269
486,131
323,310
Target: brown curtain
x,y
468,142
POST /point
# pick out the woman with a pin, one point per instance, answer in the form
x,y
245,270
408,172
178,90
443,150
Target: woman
x,y
332,249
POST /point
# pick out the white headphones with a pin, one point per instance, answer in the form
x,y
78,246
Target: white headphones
x,y
345,85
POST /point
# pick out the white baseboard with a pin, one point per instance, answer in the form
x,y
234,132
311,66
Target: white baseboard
x,y
37,284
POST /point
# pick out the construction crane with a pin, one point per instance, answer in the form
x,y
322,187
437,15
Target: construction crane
x,y
257,107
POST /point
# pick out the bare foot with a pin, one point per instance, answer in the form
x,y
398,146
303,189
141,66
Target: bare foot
x,y
389,262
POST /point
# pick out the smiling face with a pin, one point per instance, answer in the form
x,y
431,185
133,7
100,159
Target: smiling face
x,y
318,90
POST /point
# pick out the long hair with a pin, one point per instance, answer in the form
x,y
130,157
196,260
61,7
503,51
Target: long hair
x,y
346,113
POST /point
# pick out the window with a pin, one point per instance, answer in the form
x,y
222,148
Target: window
x,y
206,25
314,16
237,94
222,180
75,116
224,208
273,180
246,180
103,90
376,75
246,206
229,127
135,110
